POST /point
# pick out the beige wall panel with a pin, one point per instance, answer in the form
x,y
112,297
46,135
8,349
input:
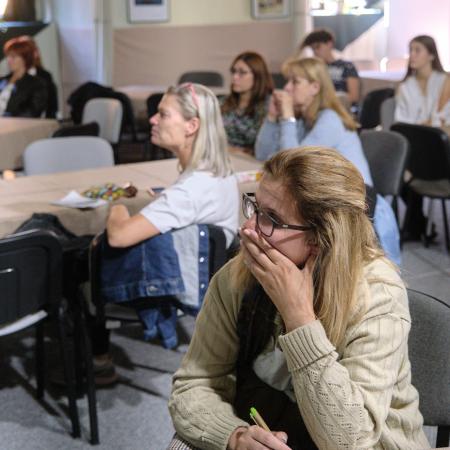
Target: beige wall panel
x,y
159,55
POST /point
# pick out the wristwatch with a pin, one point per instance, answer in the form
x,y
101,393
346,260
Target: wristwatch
x,y
289,119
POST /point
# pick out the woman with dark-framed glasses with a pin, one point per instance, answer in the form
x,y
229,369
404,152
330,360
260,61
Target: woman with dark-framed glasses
x,y
245,108
308,324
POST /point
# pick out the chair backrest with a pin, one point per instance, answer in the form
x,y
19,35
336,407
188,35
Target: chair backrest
x,y
107,112
429,353
369,116
66,154
387,112
207,78
152,103
278,80
429,151
30,274
387,154
155,152
87,129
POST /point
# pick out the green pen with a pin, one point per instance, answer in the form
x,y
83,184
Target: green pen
x,y
255,416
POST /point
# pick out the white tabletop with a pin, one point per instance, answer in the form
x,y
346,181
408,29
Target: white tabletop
x,y
392,75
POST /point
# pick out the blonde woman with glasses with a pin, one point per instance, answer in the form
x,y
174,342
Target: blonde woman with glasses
x,y
308,324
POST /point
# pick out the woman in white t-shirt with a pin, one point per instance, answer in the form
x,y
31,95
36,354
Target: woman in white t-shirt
x,y
423,97
189,124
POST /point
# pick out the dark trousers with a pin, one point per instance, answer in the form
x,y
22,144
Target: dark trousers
x,y
415,220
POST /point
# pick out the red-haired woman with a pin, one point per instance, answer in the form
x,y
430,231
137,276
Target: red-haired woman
x,y
243,111
21,94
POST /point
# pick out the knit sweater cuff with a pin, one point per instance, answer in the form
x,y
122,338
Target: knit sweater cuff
x,y
220,428
305,345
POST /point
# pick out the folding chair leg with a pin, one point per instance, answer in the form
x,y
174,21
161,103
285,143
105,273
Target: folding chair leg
x,y
40,360
407,218
429,222
443,436
90,382
78,352
69,375
444,213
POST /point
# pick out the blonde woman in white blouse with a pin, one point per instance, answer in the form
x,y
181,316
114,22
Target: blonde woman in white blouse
x,y
424,95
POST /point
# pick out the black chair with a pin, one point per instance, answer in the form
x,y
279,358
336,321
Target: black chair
x,y
117,314
207,78
31,294
387,154
369,116
153,152
429,164
429,353
87,129
278,80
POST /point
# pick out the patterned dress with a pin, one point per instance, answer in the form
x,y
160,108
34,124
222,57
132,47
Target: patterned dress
x,y
242,128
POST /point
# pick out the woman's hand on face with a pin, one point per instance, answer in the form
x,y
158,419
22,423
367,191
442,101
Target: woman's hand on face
x,y
290,289
285,104
256,438
273,111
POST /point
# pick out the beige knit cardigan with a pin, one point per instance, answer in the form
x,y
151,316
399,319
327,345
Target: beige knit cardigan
x,y
358,396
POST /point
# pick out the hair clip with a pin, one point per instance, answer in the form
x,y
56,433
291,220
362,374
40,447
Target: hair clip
x,y
191,88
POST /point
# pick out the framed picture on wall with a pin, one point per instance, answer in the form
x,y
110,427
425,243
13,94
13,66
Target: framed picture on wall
x,y
148,11
271,9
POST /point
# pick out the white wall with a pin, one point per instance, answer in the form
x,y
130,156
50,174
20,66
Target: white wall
x,y
83,42
47,41
409,18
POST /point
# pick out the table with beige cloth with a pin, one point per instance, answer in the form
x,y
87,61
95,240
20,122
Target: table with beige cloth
x,y
21,197
17,133
138,94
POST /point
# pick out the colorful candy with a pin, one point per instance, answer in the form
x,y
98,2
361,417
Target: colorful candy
x,y
111,191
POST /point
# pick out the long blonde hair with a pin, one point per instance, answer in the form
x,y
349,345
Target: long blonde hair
x,y
329,193
210,147
313,69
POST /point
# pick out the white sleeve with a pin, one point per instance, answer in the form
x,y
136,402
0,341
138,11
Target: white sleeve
x,y
174,208
403,112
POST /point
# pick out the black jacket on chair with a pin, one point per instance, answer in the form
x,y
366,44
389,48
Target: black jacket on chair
x,y
28,98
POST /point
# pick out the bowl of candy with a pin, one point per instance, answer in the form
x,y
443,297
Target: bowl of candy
x,y
111,191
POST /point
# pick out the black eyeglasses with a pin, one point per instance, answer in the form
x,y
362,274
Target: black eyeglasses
x,y
264,221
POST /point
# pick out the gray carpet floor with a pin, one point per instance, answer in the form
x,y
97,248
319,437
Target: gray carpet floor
x,y
133,414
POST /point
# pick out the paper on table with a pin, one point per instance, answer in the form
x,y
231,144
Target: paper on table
x,y
248,176
74,200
